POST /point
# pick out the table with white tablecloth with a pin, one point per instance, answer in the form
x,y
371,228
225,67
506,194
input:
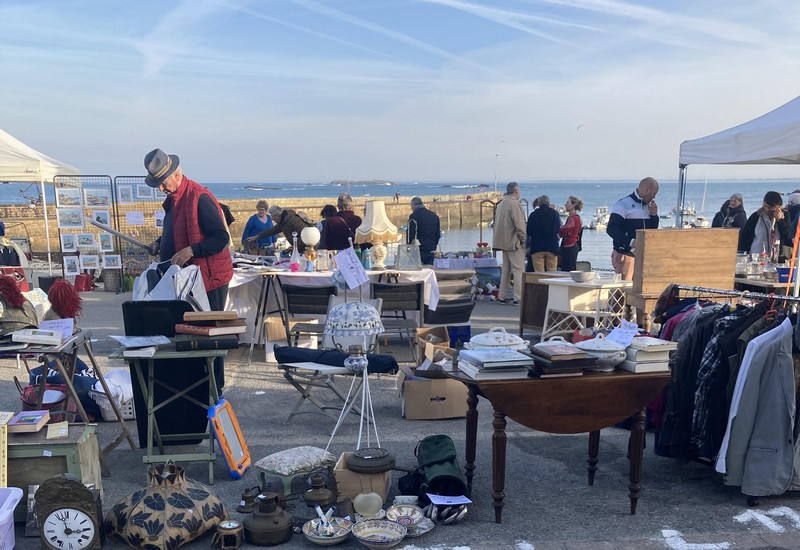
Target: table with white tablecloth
x,y
255,293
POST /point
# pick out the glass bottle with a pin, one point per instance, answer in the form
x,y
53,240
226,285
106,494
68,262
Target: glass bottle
x,y
294,262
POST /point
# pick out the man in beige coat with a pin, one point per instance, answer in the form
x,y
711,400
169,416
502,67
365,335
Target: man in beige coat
x,y
509,236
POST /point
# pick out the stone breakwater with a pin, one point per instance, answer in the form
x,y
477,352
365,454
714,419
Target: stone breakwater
x,y
455,212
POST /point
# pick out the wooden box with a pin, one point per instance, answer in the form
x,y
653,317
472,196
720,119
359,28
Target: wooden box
x,y
701,257
349,484
32,459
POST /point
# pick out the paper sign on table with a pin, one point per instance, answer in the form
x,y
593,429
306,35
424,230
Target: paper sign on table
x,y
65,326
624,333
350,268
448,501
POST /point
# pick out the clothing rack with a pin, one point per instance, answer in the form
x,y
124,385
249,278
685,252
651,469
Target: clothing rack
x,y
746,294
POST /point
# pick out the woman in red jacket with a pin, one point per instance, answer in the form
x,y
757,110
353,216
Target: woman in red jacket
x,y
570,234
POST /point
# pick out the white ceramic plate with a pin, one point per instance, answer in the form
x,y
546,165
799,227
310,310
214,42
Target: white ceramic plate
x,y
425,525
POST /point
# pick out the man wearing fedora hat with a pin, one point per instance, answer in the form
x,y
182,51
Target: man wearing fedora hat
x,y
194,230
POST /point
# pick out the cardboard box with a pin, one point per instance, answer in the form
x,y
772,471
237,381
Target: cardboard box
x,y
426,349
349,484
430,399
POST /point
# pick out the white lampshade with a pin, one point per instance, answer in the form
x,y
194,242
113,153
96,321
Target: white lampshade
x,y
376,226
310,236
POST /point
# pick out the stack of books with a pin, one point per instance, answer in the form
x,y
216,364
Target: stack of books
x,y
205,330
648,354
557,359
494,364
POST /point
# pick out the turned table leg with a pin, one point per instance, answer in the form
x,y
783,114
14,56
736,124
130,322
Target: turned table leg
x,y
594,449
498,464
472,434
635,457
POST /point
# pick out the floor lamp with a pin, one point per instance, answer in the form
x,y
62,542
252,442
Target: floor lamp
x,y
347,321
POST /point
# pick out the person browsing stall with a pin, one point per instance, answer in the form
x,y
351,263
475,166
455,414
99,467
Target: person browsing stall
x,y
766,228
542,235
509,236
286,221
423,225
636,211
258,222
731,214
334,231
194,230
570,234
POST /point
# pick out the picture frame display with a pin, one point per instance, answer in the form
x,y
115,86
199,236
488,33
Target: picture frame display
x,y
112,261
90,261
144,192
71,265
70,218
106,242
69,243
102,216
96,197
68,196
158,216
86,240
125,194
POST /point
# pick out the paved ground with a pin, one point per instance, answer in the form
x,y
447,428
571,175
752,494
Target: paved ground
x,y
548,503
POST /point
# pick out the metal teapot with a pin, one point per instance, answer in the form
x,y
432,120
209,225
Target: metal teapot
x,y
269,524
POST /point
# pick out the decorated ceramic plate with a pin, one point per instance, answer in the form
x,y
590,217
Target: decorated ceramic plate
x,y
405,514
360,518
418,529
339,531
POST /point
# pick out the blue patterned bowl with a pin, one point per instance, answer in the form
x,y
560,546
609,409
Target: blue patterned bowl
x,y
377,534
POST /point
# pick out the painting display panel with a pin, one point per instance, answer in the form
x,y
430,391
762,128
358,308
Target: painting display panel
x,y
97,197
70,218
106,242
68,196
125,194
71,265
112,261
86,240
90,261
144,192
101,216
68,242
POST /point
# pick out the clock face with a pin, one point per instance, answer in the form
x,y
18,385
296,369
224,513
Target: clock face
x,y
68,529
229,524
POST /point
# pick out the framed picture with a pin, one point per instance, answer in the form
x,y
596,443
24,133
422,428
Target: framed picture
x,y
86,240
70,218
90,261
68,242
101,216
71,266
124,194
68,196
144,192
106,242
159,218
112,261
97,197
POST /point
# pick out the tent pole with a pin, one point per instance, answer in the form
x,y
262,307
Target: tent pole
x,y
46,224
681,195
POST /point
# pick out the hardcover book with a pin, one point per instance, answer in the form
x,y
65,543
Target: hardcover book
x,y
648,343
656,366
185,328
558,351
646,356
147,351
28,421
210,316
476,373
188,342
573,365
495,358
240,322
37,336
538,372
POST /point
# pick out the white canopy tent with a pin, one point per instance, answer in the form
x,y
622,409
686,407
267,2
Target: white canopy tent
x,y
773,138
22,163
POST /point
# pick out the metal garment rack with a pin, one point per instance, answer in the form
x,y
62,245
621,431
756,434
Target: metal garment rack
x,y
746,294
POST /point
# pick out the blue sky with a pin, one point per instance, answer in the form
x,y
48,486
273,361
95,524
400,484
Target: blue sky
x,y
406,90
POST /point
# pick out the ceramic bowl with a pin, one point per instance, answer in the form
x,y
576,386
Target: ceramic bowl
x,y
341,530
405,514
582,276
377,534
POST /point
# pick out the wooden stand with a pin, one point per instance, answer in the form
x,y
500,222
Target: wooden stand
x,y
534,300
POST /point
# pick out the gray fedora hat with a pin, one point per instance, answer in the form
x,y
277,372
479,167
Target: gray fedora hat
x,y
159,166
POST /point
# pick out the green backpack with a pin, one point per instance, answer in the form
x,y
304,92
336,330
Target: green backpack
x,y
438,472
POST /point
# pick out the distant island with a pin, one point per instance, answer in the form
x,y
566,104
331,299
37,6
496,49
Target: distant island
x,y
360,183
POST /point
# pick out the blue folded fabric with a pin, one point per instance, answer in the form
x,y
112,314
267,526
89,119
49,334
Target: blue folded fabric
x,y
378,363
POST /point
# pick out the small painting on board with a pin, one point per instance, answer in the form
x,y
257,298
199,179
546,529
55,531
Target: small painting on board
x,y
68,242
124,194
71,266
70,218
112,261
101,216
97,197
106,242
90,261
68,196
86,240
159,218
144,192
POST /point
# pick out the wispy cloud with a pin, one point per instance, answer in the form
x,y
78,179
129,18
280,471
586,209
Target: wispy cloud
x,y
339,15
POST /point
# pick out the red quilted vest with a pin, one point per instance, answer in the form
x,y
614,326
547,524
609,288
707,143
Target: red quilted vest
x,y
217,269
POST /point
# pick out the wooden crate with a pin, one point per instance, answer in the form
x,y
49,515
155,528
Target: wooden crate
x,y
702,257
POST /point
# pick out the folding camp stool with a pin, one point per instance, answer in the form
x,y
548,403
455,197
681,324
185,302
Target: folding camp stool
x,y
306,376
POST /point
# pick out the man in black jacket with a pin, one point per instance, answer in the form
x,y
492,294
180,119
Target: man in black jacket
x,y
636,211
424,226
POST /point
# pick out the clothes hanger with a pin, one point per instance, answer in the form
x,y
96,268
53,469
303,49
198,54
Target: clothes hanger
x,y
771,313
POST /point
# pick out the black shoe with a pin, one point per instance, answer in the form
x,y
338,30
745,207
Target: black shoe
x,y
516,302
501,301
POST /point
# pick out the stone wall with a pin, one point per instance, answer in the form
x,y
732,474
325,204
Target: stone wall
x,y
462,213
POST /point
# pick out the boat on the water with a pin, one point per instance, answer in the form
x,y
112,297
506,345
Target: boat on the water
x,y
600,219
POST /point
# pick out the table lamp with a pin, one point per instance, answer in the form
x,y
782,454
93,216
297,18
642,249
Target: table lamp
x,y
360,320
310,236
376,229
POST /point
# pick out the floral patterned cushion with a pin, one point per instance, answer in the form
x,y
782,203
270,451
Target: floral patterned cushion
x,y
298,459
